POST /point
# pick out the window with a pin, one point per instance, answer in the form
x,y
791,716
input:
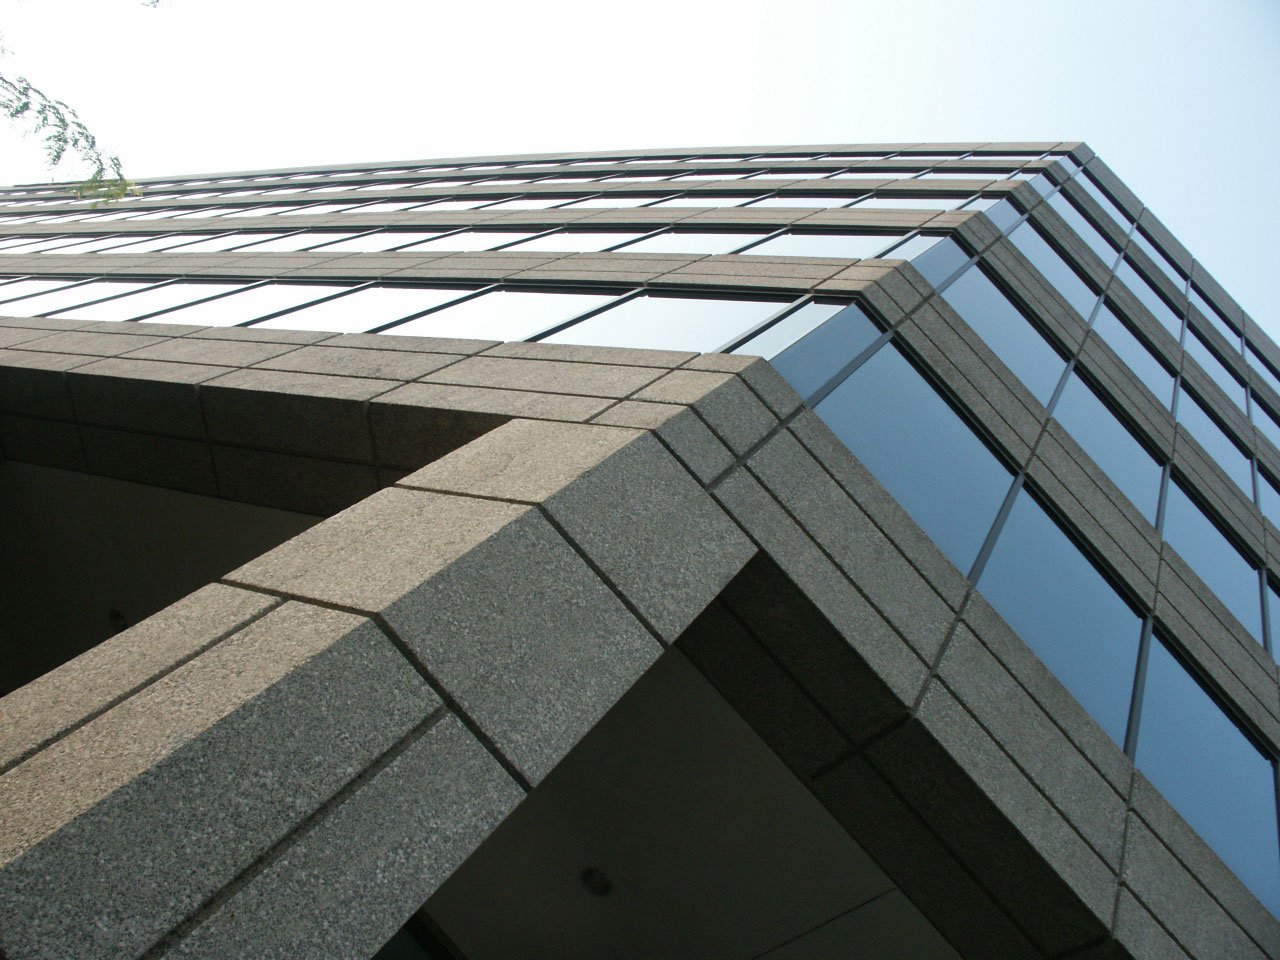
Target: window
x,y
691,242
364,309
911,203
921,450
1066,611
670,323
1154,375
771,341
149,301
1216,368
502,315
1165,314
251,303
471,240
1215,441
798,201
848,246
818,355
1006,331
1060,274
1210,772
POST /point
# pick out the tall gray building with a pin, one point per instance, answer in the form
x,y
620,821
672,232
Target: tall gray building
x,y
416,560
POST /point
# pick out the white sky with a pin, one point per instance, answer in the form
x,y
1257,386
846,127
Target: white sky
x,y
1179,97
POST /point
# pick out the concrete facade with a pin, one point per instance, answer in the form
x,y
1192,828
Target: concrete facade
x,y
297,758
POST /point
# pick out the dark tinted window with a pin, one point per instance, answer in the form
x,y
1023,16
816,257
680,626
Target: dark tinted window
x,y
921,450
1066,611
1150,299
1211,772
1087,232
1214,559
1154,375
776,338
1210,312
1112,210
821,354
940,261
1216,369
1192,415
1163,263
1111,445
1007,332
1061,276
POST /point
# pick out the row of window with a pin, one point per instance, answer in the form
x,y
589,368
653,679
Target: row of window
x,y
1103,647
622,318
861,158
866,200
845,244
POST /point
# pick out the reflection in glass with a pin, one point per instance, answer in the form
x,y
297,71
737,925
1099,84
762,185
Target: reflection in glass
x,y
502,315
1145,293
1110,444
1216,369
1066,611
364,309
472,240
920,449
690,242
575,241
670,323
1006,331
1155,376
1061,275
251,303
777,337
822,353
847,246
1211,555
1220,447
1210,772
149,301
56,300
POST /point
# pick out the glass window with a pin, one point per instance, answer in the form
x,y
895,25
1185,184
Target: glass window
x,y
296,241
364,309
1162,262
614,201
805,202
771,341
90,246
530,203
780,175
691,242
471,240
1266,422
1210,313
921,450
1263,369
57,300
1006,331
1164,313
382,240
729,176
46,243
390,206
1212,556
145,244
670,323
847,246
1217,370
1108,206
503,315
1110,443
1060,274
251,303
1154,375
437,206
705,200
911,203
946,174
1066,611
25,288
1269,503
149,301
575,241
318,210
918,245
19,241
1212,773
226,241
1004,215
1085,230
822,353
940,261
1220,447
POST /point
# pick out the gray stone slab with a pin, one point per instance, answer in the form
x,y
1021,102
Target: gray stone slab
x,y
173,462
684,433
146,395
304,413
1022,728
32,383
527,639
523,460
211,765
891,662
616,356
387,848
868,558
1140,934
501,403
291,482
85,343
547,376
375,552
1172,894
654,532
736,414
51,443
381,341
46,708
987,810
259,335
227,353
351,362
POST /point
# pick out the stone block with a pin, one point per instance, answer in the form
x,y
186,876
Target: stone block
x,y
226,353
33,384
213,765
846,534
525,637
736,415
154,396
50,706
368,364
378,341
83,343
386,847
616,356
290,482
375,552
547,376
50,443
289,412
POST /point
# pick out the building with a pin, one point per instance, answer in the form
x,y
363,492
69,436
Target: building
x,y
415,558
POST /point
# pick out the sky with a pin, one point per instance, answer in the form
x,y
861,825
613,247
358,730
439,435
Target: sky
x,y
1178,97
